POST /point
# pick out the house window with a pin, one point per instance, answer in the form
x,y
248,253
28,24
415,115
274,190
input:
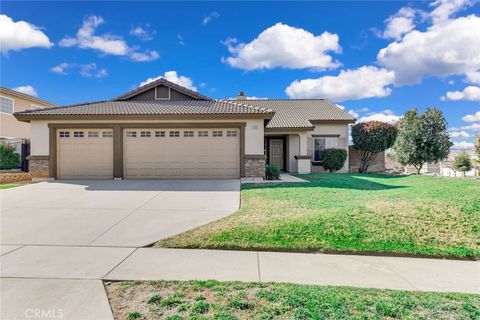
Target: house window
x,y
78,134
231,133
64,134
107,134
131,134
203,133
159,134
6,105
320,144
174,134
188,133
93,134
145,134
35,107
217,133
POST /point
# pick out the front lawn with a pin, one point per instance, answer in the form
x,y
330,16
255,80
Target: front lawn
x,y
408,215
7,186
234,300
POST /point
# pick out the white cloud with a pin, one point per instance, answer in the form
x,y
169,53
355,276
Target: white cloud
x,y
438,51
365,82
471,93
105,43
208,18
399,24
384,116
61,68
459,134
20,35
472,127
473,77
444,9
26,90
148,55
472,117
462,145
90,70
181,40
144,33
172,76
286,47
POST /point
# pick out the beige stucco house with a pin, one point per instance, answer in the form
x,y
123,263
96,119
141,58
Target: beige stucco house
x,y
164,131
13,101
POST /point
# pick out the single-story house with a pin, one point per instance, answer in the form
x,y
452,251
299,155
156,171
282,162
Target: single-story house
x,y
164,131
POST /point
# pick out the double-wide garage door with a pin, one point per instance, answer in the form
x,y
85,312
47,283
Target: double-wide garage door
x,y
196,153
181,153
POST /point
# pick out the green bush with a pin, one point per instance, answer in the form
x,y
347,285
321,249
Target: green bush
x,y
333,159
9,159
272,172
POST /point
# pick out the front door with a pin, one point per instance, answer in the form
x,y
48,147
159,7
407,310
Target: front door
x,y
276,152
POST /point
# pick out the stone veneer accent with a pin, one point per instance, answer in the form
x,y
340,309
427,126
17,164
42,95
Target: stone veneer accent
x,y
255,166
38,167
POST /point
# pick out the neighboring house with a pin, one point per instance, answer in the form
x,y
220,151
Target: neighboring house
x,y
164,131
446,168
12,101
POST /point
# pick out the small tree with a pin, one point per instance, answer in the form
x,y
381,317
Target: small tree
x,y
333,159
9,159
462,163
371,138
422,138
476,147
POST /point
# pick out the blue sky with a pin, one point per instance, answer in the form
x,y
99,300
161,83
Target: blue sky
x,y
376,59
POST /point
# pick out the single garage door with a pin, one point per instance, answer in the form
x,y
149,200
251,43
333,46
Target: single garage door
x,y
84,154
182,153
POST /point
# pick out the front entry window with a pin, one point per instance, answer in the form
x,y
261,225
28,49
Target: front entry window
x,y
320,144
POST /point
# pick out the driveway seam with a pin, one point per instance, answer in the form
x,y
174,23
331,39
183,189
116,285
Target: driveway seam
x,y
258,266
128,215
21,246
118,264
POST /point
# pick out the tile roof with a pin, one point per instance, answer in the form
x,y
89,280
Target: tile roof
x,y
298,113
166,83
157,107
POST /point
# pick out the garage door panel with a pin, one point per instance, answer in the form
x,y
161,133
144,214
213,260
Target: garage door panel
x,y
81,156
182,157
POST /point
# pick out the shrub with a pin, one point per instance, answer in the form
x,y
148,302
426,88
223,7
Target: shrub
x,y
272,172
333,159
9,159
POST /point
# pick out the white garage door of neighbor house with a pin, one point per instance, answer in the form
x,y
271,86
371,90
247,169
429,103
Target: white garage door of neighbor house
x,y
181,153
84,154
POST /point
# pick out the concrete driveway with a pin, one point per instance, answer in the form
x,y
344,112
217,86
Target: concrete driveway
x,y
129,213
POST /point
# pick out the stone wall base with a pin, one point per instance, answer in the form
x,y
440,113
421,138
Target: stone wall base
x,y
38,167
255,166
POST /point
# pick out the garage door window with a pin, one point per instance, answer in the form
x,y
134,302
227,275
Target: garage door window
x,y
64,134
78,134
174,134
107,134
131,134
188,133
203,133
217,133
231,133
93,134
145,134
159,134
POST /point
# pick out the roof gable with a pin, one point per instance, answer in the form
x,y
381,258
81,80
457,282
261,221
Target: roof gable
x,y
149,90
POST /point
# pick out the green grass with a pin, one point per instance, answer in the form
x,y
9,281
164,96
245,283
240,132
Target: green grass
x,y
7,186
406,215
234,300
